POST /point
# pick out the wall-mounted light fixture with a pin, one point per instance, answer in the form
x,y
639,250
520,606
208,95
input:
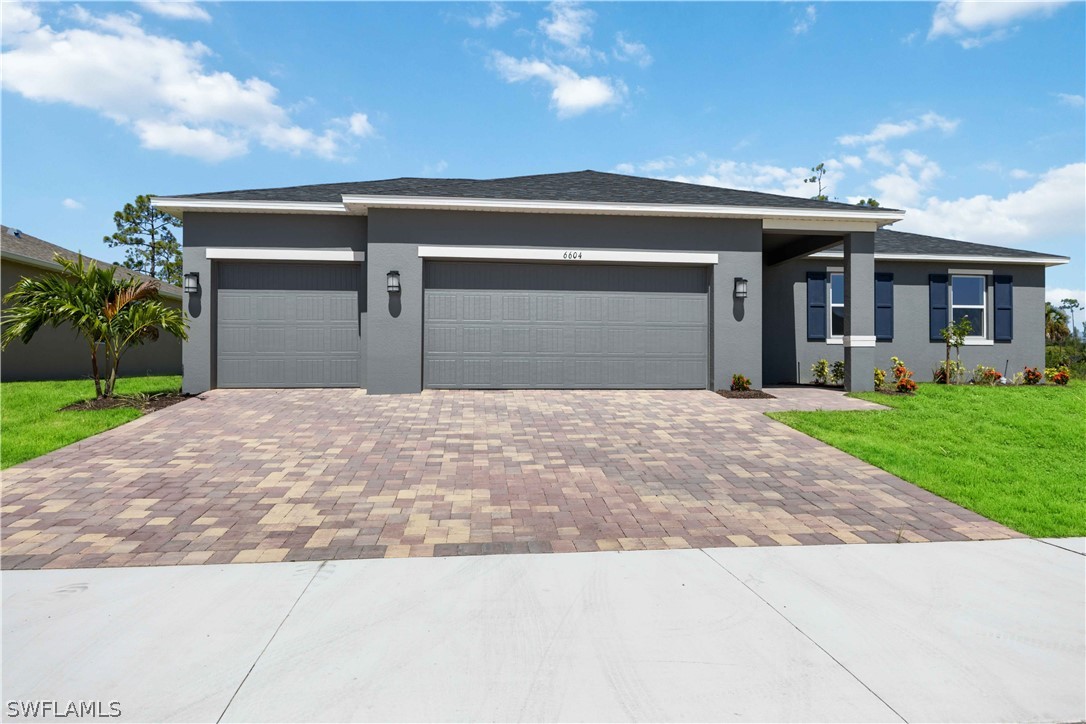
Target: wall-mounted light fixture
x,y
740,288
393,282
192,283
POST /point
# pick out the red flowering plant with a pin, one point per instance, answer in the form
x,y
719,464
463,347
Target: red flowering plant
x,y
740,383
1059,375
1032,376
906,384
986,375
903,376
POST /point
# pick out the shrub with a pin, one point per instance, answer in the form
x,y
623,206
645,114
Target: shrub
x,y
986,375
898,369
740,383
957,372
821,371
903,376
837,373
1059,375
906,384
880,378
1032,376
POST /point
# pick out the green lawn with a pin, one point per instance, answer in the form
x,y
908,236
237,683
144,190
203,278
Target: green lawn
x,y
30,424
1016,455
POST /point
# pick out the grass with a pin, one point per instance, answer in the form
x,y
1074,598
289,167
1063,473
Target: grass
x,y
1016,455
31,423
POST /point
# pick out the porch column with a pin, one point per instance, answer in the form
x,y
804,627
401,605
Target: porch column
x,y
859,311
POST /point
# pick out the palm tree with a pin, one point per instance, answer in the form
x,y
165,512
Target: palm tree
x,y
1055,323
111,314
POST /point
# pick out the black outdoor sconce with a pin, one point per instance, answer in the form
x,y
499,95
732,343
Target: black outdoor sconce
x,y
740,288
192,283
393,282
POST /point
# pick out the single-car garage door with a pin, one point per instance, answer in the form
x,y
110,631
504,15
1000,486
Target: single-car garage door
x,y
509,325
288,325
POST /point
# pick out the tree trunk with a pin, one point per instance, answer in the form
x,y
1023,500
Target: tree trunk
x,y
946,365
112,381
94,370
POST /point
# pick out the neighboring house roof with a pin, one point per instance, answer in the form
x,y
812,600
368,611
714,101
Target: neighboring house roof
x,y
591,186
18,246
904,245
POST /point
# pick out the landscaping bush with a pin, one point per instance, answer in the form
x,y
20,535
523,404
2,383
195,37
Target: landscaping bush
x,y
821,371
740,383
880,378
906,385
1071,353
1059,375
957,372
837,373
1032,376
903,376
983,375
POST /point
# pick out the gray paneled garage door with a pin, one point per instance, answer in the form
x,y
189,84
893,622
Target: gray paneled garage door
x,y
498,325
288,325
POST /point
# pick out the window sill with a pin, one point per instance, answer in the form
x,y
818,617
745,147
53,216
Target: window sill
x,y
979,342
835,340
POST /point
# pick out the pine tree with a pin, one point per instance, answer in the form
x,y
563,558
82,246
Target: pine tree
x,y
150,246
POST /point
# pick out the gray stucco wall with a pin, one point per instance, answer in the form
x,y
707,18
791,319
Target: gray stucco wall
x,y
785,338
395,326
58,354
203,230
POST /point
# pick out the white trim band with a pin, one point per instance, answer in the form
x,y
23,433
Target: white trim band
x,y
959,258
179,205
362,203
860,340
567,255
978,342
224,253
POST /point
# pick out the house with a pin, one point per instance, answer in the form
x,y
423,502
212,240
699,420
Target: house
x,y
578,280
58,354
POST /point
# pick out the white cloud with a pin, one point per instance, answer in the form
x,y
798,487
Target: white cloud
x,y
804,22
973,23
631,51
176,9
888,131
71,204
904,186
569,24
496,16
358,124
571,94
1056,295
1070,99
1052,208
1020,174
158,87
432,169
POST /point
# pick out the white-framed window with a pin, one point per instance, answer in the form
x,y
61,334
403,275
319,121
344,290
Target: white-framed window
x,y
836,307
969,298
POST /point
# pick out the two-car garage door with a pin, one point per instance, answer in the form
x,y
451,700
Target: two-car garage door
x,y
508,325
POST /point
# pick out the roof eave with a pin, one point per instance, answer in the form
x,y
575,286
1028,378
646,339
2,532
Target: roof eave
x,y
958,258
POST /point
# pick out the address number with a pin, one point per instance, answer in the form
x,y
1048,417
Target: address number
x,y
573,255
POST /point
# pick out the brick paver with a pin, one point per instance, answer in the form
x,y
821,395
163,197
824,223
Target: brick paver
x,y
265,475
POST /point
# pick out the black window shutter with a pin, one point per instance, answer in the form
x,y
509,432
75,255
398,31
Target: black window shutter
x,y
816,306
1004,308
884,306
938,312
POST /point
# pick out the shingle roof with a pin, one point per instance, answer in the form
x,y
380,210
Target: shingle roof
x,y
589,186
31,247
903,242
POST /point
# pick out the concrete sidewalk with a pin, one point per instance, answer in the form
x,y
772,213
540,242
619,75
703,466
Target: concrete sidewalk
x,y
974,631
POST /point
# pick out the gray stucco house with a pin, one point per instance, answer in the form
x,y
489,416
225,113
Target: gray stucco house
x,y
578,280
59,354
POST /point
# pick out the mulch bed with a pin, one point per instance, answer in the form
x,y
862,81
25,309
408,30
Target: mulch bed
x,y
745,395
148,403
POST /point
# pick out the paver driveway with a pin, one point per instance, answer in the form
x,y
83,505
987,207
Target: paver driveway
x,y
267,475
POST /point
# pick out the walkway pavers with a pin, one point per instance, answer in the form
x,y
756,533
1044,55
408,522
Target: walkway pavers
x,y
293,475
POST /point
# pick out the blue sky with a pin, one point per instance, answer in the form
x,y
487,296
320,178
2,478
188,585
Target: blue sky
x,y
971,116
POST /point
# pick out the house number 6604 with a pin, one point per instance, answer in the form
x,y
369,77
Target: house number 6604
x,y
573,255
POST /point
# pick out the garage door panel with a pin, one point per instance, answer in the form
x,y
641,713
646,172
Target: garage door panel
x,y
288,325
566,336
